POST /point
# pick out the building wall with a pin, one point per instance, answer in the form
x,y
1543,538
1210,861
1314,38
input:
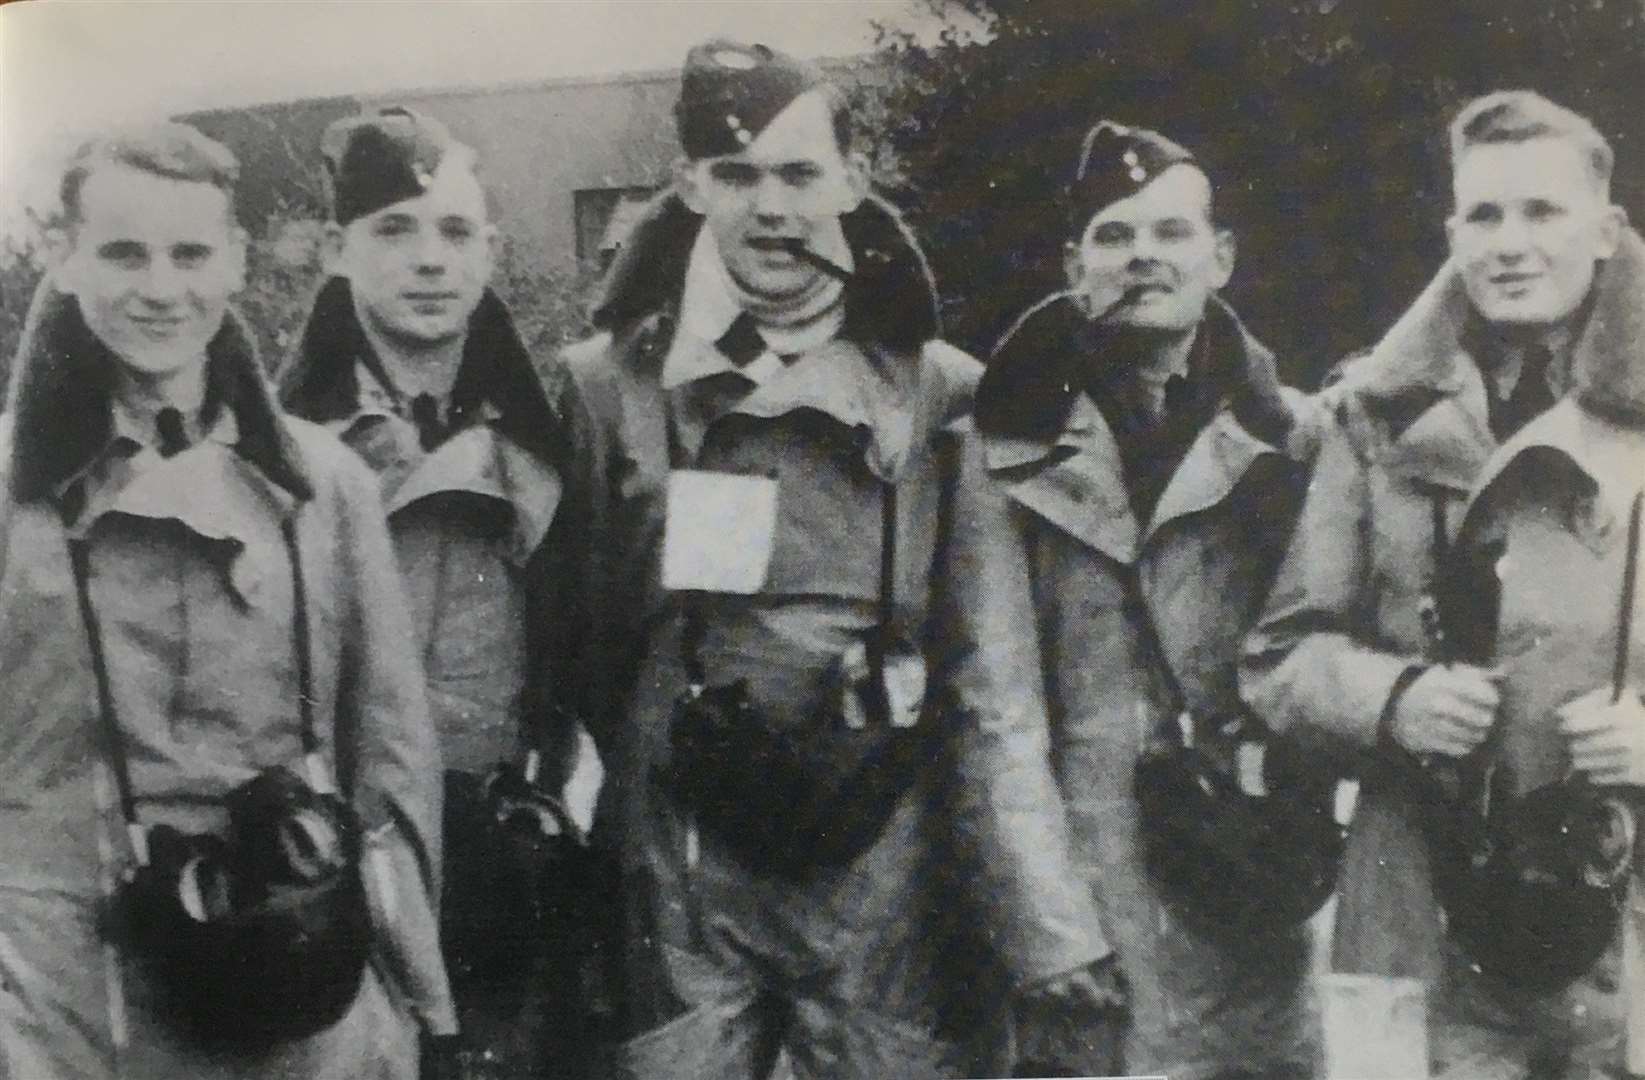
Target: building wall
x,y
541,145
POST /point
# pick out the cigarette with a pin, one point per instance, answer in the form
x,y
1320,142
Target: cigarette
x,y
796,247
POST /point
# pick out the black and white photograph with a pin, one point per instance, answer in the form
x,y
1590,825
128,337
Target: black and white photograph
x,y
822,539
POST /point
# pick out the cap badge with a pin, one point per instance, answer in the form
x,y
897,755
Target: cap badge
x,y
735,123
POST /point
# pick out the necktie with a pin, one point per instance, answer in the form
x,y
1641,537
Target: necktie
x,y
741,343
425,413
1178,396
1530,397
169,426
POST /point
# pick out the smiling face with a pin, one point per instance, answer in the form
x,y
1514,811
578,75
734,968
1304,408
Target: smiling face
x,y
1159,243
1530,222
418,267
791,182
152,262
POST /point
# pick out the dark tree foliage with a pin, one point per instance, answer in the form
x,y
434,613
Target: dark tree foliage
x,y
1322,123
22,265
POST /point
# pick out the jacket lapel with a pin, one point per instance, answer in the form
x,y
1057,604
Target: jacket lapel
x,y
1216,461
480,460
1075,483
1611,457
1255,419
856,388
466,462
1449,442
212,491
1428,391
1082,488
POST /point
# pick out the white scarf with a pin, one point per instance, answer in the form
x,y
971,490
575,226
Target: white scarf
x,y
712,300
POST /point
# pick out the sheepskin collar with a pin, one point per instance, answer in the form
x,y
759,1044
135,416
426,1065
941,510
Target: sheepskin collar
x,y
496,376
891,299
62,414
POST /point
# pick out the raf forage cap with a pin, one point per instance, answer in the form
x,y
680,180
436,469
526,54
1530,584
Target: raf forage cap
x,y
377,159
730,91
1117,161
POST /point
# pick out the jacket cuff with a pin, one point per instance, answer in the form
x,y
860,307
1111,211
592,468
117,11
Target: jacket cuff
x,y
1365,681
1058,949
1048,967
407,932
1385,722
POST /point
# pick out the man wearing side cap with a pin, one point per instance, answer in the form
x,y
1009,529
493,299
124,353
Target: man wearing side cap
x,y
1540,296
200,601
766,429
414,362
1147,464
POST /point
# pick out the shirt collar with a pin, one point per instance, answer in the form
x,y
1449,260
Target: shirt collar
x,y
141,429
131,448
708,307
375,397
378,399
1177,363
1506,365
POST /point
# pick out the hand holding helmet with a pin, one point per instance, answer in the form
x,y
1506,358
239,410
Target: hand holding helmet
x,y
1448,709
260,936
515,868
1606,737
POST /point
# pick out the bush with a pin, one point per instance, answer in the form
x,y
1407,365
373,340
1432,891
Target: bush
x,y
21,268
549,305
284,268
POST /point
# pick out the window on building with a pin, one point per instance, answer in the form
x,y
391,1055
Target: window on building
x,y
604,216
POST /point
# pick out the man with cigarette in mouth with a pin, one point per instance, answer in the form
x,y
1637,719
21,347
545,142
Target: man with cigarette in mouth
x,y
1146,464
1446,456
764,432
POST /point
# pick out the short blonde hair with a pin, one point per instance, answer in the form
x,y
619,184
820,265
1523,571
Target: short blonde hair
x,y
175,151
1516,116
